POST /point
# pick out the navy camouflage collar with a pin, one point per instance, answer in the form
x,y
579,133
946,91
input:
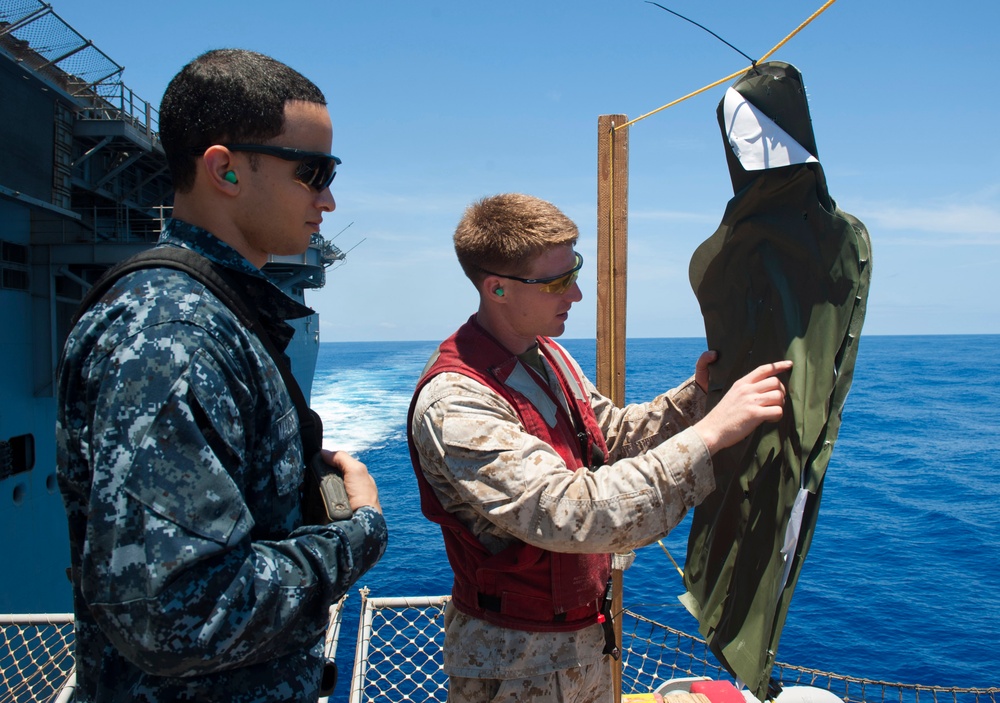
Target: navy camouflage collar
x,y
183,234
273,305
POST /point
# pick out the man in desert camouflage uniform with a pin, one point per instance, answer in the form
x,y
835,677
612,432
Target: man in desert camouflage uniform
x,y
181,459
535,478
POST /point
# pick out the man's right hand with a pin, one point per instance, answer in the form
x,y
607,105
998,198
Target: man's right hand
x,y
756,398
359,484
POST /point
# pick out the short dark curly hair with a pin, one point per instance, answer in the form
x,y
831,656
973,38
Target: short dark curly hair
x,y
226,95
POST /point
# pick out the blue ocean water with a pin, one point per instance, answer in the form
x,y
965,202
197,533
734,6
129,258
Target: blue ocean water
x,y
902,582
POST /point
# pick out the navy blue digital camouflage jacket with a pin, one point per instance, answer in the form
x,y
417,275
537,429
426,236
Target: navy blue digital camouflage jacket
x,y
180,465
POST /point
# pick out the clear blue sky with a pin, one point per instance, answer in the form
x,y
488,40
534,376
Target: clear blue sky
x,y
436,104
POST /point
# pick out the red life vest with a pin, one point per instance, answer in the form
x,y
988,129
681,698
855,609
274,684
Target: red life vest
x,y
523,587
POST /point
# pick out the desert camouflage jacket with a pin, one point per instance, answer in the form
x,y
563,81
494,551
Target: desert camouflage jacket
x,y
180,465
505,484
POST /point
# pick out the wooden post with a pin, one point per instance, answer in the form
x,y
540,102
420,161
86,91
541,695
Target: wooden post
x,y
612,255
612,265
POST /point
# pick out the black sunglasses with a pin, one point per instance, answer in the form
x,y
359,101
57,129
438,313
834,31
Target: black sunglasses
x,y
316,169
557,284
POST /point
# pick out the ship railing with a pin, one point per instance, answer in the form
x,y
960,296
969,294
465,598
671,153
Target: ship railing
x,y
111,224
399,646
398,656
398,652
115,101
43,42
36,657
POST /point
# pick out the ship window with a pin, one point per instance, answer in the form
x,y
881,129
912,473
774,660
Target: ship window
x,y
14,278
17,455
14,253
14,272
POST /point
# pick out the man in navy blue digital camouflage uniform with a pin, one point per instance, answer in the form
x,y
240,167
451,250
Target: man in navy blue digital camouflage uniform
x,y
195,575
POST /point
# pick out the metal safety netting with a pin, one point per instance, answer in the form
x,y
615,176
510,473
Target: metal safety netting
x,y
36,657
398,656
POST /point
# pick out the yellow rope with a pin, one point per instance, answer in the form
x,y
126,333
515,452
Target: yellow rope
x,y
689,95
798,29
664,548
766,56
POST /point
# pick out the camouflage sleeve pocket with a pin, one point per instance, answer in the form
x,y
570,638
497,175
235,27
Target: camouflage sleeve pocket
x,y
177,473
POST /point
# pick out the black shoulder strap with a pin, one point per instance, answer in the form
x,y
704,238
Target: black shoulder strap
x,y
190,262
216,279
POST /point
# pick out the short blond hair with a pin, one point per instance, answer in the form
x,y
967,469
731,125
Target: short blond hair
x,y
502,233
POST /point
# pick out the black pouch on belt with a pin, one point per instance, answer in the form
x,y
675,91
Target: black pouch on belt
x,y
328,681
